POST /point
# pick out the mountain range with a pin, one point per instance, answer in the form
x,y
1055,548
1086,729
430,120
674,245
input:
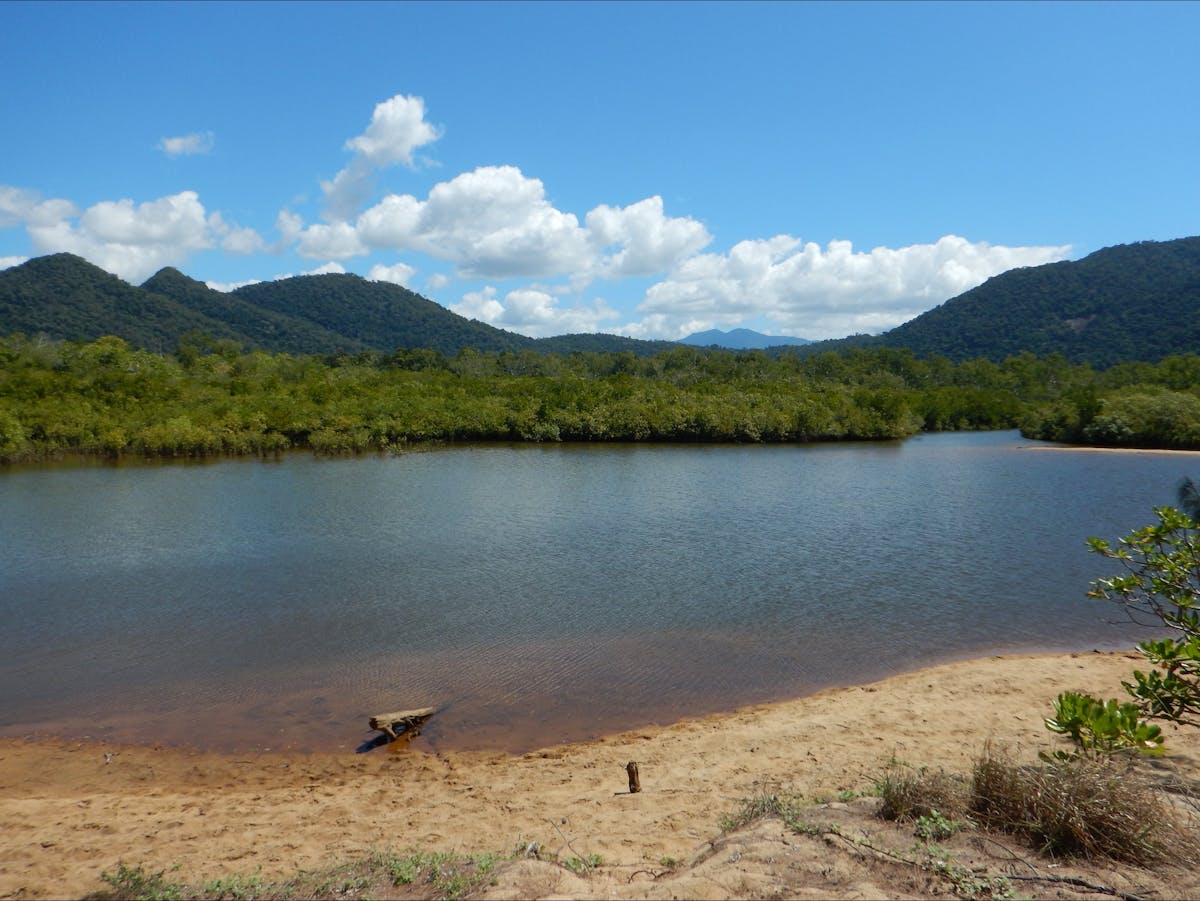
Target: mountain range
x,y
741,339
64,296
1136,301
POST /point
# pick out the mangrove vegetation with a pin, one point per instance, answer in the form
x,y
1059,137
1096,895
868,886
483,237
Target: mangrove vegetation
x,y
106,398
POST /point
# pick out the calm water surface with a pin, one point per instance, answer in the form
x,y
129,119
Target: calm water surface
x,y
537,593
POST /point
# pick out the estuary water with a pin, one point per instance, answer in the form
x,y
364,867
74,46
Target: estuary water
x,y
538,593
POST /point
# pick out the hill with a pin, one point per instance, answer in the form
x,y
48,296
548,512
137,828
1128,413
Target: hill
x,y
741,339
1128,302
257,326
64,296
379,315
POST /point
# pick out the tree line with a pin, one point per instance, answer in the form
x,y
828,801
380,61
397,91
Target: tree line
x,y
106,398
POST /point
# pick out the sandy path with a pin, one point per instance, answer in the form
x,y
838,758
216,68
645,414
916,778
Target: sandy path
x,y
68,811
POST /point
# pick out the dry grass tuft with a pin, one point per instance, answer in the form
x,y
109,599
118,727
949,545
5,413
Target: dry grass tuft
x,y
1085,807
910,793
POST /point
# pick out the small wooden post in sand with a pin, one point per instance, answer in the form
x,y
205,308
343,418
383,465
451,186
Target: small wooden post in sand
x,y
408,722
635,784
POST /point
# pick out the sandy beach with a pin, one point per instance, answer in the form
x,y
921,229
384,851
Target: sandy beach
x,y
70,810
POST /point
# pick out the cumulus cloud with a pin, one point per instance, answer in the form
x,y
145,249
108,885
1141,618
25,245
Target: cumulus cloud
x,y
20,206
9,262
396,130
339,240
130,240
646,241
398,274
818,293
492,222
236,239
187,145
226,287
533,312
331,268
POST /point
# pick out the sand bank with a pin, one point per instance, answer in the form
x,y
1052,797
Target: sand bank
x,y
70,810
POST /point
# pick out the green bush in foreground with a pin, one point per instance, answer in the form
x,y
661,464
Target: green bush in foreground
x,y
1161,583
1102,727
1159,587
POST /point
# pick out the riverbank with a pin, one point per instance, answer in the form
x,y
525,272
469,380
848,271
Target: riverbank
x,y
70,810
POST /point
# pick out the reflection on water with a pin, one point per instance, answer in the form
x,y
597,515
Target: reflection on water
x,y
537,593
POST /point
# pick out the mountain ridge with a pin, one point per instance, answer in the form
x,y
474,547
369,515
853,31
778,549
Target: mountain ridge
x,y
1127,302
741,339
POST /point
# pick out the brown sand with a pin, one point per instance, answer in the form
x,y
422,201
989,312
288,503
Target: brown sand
x,y
70,810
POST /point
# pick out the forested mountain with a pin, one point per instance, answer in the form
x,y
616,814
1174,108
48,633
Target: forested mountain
x,y
1125,303
1128,302
64,296
379,314
257,326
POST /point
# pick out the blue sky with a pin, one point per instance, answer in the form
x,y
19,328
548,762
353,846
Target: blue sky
x,y
812,169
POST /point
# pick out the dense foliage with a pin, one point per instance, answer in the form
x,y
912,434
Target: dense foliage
x,y
107,398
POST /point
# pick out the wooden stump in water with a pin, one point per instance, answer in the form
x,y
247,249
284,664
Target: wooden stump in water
x,y
402,721
635,784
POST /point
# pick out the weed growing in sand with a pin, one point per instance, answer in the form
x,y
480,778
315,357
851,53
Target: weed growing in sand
x,y
969,884
581,865
936,827
449,876
237,888
136,884
452,876
775,804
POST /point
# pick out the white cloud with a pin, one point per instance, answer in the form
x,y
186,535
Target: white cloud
x,y
398,274
649,241
9,262
814,293
187,145
481,305
533,312
130,240
226,287
20,206
439,280
492,222
396,130
339,240
331,268
236,239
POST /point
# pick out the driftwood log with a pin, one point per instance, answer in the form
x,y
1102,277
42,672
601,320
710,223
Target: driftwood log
x,y
402,721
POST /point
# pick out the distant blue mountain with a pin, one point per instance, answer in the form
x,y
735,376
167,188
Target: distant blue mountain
x,y
740,339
